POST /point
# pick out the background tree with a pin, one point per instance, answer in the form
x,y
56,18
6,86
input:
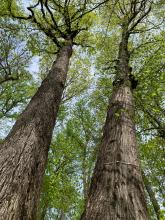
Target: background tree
x,y
16,82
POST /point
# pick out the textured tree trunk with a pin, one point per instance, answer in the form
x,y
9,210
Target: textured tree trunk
x,y
116,190
24,153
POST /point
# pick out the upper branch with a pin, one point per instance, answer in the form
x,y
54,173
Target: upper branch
x,y
53,19
141,17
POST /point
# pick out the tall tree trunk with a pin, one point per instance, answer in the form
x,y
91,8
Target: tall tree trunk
x,y
24,153
116,190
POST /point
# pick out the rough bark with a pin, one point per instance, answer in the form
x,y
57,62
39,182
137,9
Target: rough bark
x,y
24,153
116,190
151,195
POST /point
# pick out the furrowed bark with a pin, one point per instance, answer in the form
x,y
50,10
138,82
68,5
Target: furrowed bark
x,y
116,190
24,153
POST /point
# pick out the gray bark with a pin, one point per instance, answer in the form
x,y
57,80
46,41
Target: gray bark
x,y
23,155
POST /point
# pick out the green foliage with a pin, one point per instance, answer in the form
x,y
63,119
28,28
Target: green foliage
x,y
152,160
15,80
71,159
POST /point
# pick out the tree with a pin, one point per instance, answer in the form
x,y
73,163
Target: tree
x,y
14,60
152,165
24,151
116,189
70,165
151,195
61,191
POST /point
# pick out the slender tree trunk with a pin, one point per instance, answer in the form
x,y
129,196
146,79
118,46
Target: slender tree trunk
x,y
116,190
24,153
84,172
151,195
62,215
